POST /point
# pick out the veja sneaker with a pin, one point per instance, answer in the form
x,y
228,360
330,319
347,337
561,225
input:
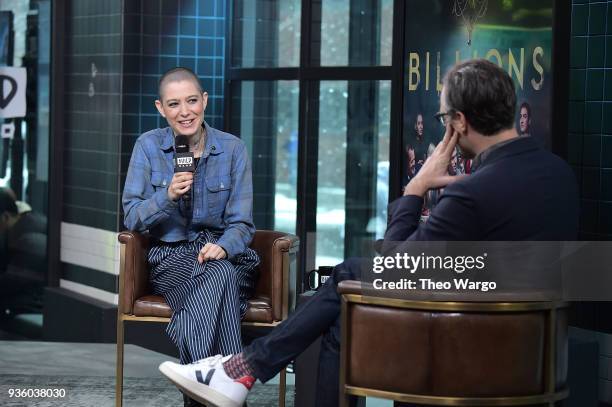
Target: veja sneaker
x,y
206,382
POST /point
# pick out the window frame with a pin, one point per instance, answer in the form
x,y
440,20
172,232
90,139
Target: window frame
x,y
308,77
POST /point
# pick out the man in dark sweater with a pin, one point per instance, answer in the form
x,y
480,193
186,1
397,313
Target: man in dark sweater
x,y
517,191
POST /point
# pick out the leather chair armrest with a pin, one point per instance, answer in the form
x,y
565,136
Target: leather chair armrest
x,y
134,272
365,288
351,287
277,253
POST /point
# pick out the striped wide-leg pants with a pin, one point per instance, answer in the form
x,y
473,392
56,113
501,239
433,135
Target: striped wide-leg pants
x,y
208,299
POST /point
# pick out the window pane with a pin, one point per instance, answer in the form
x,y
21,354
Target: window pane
x,y
353,167
265,116
266,33
25,42
331,175
368,24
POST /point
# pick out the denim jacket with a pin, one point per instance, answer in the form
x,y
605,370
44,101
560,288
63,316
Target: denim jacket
x,y
222,191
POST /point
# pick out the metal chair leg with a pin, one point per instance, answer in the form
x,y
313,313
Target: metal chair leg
x,y
282,388
119,373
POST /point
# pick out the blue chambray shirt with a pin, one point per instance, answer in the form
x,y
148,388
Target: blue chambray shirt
x,y
222,191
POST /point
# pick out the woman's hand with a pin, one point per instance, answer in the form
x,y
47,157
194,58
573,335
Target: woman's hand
x,y
211,251
434,172
180,184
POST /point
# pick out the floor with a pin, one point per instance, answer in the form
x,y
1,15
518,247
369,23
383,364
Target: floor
x,y
87,373
86,359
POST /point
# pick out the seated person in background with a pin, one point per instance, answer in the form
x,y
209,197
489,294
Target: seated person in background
x,y
199,259
477,108
23,235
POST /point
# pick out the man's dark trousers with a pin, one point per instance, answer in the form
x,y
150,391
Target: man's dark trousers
x,y
269,354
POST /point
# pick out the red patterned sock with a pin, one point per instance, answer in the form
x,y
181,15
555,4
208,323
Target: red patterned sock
x,y
238,367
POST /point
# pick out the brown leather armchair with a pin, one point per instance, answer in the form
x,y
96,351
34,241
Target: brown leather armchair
x,y
452,353
267,308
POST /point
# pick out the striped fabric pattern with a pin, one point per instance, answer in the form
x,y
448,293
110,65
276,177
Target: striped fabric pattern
x,y
208,299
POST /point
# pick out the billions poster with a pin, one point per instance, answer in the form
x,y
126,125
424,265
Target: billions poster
x,y
515,34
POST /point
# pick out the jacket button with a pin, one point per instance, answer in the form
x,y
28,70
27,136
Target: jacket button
x,y
213,148
164,182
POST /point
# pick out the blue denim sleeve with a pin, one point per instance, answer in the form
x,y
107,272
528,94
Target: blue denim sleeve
x,y
143,206
238,217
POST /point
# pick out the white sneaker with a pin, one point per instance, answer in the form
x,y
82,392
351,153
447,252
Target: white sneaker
x,y
206,382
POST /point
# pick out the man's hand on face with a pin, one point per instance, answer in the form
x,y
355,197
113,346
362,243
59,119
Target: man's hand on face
x,y
434,172
211,251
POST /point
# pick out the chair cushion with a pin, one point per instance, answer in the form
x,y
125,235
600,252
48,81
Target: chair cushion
x,y
152,306
260,308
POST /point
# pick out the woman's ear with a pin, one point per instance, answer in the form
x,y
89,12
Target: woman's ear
x,y
160,109
204,99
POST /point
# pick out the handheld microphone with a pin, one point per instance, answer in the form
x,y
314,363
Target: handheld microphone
x,y
183,162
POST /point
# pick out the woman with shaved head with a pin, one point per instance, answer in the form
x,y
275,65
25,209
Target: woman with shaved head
x,y
199,261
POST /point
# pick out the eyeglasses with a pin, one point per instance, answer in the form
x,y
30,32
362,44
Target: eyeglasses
x,y
441,116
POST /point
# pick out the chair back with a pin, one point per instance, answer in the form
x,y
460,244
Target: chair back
x,y
452,353
134,277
